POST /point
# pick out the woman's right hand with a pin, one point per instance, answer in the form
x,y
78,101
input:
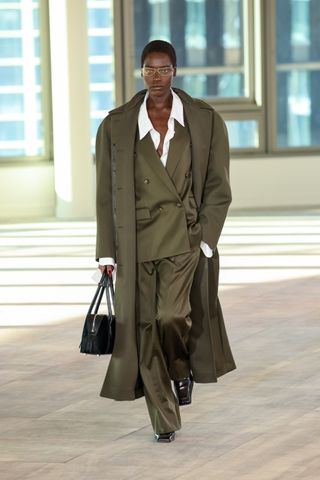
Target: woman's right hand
x,y
107,268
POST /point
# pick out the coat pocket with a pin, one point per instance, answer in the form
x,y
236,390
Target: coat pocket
x,y
143,214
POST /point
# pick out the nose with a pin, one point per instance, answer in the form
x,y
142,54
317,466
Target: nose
x,y
156,74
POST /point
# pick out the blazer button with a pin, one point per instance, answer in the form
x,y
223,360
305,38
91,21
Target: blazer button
x,y
160,209
179,205
188,174
146,180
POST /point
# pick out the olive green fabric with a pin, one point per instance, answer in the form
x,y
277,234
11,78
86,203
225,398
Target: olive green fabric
x,y
116,237
210,353
166,211
163,327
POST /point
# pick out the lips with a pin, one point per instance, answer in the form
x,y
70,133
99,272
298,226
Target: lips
x,y
156,89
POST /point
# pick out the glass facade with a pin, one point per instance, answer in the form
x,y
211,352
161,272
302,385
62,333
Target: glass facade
x,y
209,41
212,40
208,38
243,133
101,68
21,93
298,73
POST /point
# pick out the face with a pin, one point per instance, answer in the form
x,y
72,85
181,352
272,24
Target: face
x,y
158,85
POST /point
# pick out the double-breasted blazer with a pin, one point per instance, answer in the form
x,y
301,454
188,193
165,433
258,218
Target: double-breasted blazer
x,y
210,353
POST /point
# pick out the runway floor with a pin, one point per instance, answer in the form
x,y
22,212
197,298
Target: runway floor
x,y
259,422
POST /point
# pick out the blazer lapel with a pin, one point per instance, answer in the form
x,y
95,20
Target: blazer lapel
x,y
157,165
178,144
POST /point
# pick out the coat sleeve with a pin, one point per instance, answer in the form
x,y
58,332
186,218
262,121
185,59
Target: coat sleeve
x,y
217,192
105,244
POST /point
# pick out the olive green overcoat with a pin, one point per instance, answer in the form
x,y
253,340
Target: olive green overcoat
x,y
210,353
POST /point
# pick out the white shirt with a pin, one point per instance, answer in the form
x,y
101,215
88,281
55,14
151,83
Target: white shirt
x,y
145,126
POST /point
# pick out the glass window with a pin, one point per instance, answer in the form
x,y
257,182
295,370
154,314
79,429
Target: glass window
x,y
21,95
11,75
100,72
12,130
101,68
36,19
13,102
98,18
101,101
298,73
10,19
10,47
100,45
243,133
37,46
208,38
95,122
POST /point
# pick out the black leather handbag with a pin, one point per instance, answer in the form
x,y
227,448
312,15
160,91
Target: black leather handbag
x,y
99,329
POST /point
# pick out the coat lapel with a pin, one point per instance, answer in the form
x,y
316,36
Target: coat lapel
x,y
199,121
200,127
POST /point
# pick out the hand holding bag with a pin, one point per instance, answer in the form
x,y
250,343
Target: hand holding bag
x,y
99,329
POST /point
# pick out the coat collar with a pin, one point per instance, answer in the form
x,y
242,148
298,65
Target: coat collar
x,y
198,118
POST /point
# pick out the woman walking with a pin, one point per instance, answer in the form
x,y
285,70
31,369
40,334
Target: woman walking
x,y
162,197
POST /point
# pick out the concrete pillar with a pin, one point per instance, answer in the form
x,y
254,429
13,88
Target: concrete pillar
x,y
73,166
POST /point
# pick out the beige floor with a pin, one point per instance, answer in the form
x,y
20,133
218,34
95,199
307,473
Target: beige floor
x,y
259,422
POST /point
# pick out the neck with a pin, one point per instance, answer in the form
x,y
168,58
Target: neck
x,y
160,102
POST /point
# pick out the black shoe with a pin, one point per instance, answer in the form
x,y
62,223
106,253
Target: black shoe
x,y
165,437
183,390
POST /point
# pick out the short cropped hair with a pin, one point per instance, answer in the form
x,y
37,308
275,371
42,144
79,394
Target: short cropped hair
x,y
159,46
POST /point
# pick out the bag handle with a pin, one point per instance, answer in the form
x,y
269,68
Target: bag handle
x,y
110,295
105,284
96,301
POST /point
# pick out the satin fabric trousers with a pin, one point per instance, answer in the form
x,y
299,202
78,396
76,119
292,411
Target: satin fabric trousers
x,y
163,326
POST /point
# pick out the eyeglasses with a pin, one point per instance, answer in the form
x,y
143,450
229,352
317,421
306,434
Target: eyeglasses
x,y
151,71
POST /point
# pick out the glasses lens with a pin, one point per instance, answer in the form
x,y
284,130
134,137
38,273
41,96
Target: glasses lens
x,y
151,71
148,72
164,71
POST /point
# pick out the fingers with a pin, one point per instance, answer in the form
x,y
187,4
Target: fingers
x,y
106,268
109,270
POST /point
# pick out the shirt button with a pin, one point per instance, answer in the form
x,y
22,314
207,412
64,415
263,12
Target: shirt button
x,y
179,205
146,180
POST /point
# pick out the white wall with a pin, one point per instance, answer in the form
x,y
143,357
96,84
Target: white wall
x,y
26,191
276,182
268,182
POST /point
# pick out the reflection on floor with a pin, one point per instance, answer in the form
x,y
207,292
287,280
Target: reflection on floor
x,y
260,422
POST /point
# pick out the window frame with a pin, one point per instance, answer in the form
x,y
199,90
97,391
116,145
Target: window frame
x,y
46,97
232,108
95,59
271,89
260,62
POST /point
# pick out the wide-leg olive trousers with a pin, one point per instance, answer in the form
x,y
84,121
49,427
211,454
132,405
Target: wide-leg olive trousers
x,y
163,326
